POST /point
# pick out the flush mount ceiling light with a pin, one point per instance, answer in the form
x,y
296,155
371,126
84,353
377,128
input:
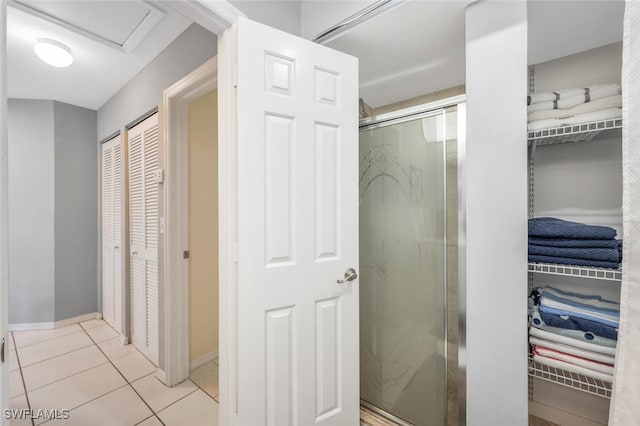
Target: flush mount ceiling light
x,y
53,53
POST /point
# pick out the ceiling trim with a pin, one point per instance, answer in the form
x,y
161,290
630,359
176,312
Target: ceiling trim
x,y
145,26
214,15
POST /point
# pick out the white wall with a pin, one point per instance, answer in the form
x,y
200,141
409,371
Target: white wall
x,y
595,66
496,214
144,91
31,211
284,15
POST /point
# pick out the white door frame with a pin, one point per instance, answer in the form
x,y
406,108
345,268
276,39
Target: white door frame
x,y
176,238
4,214
217,16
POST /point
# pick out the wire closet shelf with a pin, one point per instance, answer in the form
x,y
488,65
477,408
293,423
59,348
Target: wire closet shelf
x,y
569,379
574,133
576,271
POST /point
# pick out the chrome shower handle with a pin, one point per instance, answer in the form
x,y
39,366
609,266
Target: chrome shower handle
x,y
349,275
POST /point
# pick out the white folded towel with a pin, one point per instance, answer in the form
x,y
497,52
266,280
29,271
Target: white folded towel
x,y
572,97
581,344
572,350
573,368
597,105
536,98
606,114
571,359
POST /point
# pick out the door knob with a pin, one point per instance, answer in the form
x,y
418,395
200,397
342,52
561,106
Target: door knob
x,y
349,275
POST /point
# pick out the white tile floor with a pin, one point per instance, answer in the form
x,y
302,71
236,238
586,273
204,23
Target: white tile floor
x,y
85,369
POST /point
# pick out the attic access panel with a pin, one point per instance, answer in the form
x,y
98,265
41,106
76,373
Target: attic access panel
x,y
118,24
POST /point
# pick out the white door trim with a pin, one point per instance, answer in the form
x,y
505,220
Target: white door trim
x,y
4,215
214,15
175,281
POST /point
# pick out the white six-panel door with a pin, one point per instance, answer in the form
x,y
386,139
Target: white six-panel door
x,y
112,172
143,156
297,192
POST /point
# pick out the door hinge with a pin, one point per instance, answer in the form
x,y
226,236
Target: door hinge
x,y
185,254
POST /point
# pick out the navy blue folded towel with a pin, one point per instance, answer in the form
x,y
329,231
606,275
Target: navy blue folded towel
x,y
575,323
604,254
574,243
549,227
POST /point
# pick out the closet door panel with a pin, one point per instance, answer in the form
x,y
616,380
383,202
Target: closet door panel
x,y
117,236
112,296
143,232
107,232
151,158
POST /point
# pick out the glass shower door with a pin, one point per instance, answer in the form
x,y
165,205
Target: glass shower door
x,y
403,366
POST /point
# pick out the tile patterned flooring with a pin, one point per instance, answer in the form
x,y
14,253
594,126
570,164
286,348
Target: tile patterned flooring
x,y
85,369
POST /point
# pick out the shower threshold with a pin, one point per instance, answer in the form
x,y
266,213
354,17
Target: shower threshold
x,y
370,415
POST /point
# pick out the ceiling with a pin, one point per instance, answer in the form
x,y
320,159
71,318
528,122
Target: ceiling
x,y
418,47
111,41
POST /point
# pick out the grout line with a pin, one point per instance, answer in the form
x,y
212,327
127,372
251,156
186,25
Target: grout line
x,y
67,377
178,400
201,388
91,400
119,372
47,339
55,356
24,386
144,420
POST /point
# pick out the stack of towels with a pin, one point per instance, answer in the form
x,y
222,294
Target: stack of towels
x,y
574,332
553,240
574,106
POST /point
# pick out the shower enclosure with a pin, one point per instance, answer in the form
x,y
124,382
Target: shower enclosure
x,y
409,262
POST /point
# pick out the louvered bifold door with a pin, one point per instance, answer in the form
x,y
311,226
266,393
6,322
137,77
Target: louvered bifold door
x,y
112,296
143,232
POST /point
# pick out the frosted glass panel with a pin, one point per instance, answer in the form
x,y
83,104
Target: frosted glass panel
x,y
403,272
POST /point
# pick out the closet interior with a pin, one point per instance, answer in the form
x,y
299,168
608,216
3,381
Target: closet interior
x,y
575,174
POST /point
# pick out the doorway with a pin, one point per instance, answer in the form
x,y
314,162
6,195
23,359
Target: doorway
x,y
203,241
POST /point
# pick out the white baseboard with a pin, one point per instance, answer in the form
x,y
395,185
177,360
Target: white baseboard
x,y
201,360
124,340
52,325
98,316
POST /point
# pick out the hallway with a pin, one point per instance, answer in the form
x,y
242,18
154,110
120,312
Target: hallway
x,y
83,368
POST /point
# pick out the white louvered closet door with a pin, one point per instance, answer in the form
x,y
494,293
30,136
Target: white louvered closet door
x,y
143,234
112,296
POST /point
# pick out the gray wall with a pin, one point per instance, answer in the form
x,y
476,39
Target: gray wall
x,y
144,92
31,211
76,211
53,211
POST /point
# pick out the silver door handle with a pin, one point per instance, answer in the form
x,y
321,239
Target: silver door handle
x,y
134,253
349,275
